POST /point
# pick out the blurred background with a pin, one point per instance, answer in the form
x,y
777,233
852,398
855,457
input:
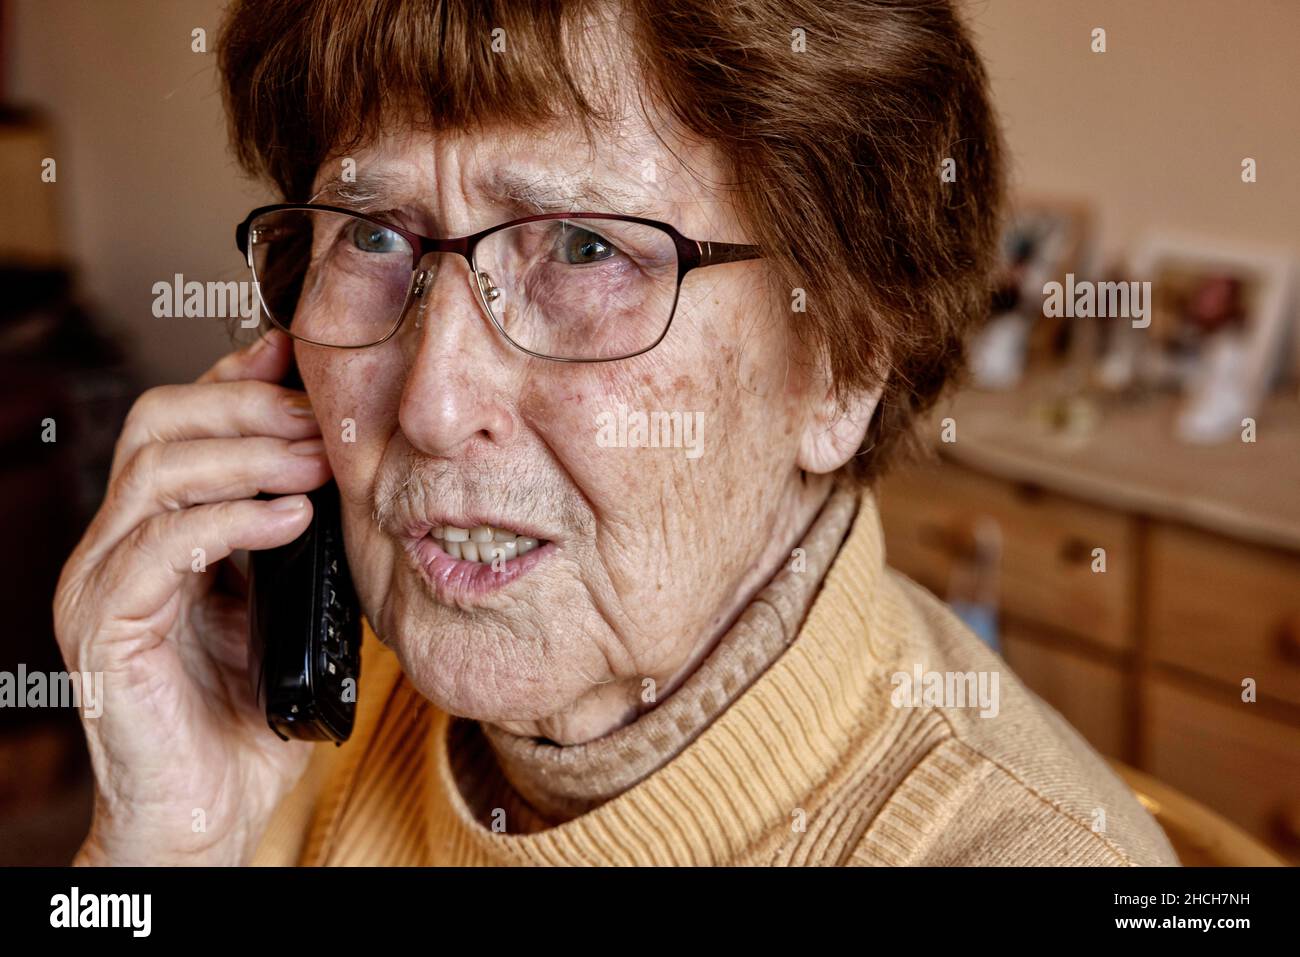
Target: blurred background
x,y
1114,498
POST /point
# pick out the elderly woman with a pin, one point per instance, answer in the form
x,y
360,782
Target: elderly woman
x,y
610,314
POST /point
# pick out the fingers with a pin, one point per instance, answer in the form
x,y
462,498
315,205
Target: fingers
x,y
231,435
267,360
206,448
137,580
237,396
168,476
174,413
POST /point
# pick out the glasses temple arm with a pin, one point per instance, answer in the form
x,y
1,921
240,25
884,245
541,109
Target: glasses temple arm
x,y
712,254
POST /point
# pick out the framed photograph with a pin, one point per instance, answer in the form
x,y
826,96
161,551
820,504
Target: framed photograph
x,y
1221,316
1044,240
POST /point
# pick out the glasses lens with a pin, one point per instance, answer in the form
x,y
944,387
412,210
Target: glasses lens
x,y
582,289
330,278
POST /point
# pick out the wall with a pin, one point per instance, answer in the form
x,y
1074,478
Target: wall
x,y
146,187
1154,130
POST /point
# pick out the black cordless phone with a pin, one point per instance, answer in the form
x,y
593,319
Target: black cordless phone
x,y
305,626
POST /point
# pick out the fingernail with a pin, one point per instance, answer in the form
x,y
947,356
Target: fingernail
x,y
289,503
259,345
298,404
308,447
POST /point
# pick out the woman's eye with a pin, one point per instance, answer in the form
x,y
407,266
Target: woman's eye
x,y
370,238
581,246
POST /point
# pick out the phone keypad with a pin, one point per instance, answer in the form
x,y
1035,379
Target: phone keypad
x,y
337,624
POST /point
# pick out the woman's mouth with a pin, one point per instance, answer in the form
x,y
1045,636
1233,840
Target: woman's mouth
x,y
465,564
484,543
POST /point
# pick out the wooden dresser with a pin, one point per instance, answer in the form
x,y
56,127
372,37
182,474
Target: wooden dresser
x,y
1200,592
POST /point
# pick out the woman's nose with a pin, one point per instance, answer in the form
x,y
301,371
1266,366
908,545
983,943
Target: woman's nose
x,y
457,392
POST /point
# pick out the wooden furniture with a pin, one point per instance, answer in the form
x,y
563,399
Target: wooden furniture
x,y
1156,658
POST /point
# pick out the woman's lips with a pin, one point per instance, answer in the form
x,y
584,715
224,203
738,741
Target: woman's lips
x,y
456,581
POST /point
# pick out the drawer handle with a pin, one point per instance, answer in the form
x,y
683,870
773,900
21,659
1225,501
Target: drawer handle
x,y
1030,492
1288,822
1288,638
1075,551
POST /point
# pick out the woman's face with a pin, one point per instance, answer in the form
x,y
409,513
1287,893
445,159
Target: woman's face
x,y
646,553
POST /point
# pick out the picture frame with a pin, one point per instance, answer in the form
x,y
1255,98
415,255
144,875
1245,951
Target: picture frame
x,y
1044,239
1221,315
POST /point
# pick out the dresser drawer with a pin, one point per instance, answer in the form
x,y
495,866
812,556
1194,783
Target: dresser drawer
x,y
929,514
1221,751
1225,610
1090,694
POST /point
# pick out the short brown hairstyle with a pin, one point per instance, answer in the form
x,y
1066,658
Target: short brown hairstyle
x,y
838,146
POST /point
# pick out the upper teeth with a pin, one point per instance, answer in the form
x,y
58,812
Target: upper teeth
x,y
482,543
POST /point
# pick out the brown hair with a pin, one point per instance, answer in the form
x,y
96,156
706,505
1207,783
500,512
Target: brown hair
x,y
837,149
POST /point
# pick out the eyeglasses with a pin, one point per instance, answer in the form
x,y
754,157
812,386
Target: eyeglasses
x,y
572,287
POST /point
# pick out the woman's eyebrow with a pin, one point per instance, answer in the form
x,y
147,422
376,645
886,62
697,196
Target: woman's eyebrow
x,y
363,191
535,193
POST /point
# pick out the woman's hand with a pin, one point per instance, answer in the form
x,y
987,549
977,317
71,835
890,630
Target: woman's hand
x,y
186,769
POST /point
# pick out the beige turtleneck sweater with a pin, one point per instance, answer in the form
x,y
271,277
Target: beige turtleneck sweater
x,y
788,745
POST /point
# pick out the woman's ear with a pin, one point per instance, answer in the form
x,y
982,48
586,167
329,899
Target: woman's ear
x,y
836,429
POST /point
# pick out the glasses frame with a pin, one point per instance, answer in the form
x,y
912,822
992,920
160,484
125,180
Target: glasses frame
x,y
691,254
